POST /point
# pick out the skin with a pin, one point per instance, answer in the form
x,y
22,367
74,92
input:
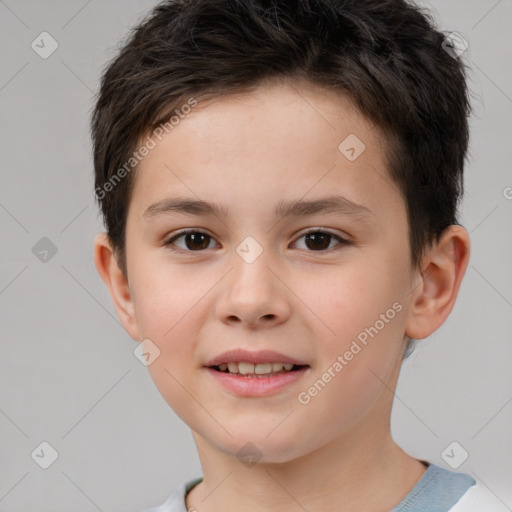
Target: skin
x,y
248,152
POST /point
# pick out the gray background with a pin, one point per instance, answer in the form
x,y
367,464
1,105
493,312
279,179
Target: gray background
x,y
67,369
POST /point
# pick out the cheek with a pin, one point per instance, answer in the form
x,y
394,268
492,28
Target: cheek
x,y
363,321
170,313
344,300
166,298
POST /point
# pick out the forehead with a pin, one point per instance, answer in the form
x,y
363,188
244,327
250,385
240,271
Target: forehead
x,y
284,138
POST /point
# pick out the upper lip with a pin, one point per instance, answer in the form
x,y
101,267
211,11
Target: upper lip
x,y
261,356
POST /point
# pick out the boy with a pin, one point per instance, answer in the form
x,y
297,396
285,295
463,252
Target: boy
x,y
256,129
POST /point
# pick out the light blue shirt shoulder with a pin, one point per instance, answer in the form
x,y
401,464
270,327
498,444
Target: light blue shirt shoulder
x,y
436,491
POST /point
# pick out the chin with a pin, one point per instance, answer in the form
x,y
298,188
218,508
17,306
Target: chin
x,y
250,447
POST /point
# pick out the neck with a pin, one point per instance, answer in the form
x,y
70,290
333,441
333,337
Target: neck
x,y
361,471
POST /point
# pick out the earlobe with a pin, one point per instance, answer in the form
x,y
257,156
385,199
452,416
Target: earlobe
x,y
442,270
108,269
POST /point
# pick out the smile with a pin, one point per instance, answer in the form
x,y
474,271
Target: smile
x,y
256,370
244,380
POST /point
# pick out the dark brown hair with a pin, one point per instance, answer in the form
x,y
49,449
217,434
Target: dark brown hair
x,y
385,55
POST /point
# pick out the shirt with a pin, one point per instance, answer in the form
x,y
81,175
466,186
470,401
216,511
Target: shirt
x,y
438,490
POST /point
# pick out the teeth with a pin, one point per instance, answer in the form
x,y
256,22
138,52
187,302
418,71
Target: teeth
x,y
244,368
262,368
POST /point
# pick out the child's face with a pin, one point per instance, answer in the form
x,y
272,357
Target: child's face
x,y
306,298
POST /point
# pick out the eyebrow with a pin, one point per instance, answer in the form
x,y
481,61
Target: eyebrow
x,y
294,208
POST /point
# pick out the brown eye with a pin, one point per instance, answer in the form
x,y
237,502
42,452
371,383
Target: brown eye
x,y
194,241
318,240
321,240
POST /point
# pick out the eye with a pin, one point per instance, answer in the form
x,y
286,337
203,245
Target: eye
x,y
196,241
318,240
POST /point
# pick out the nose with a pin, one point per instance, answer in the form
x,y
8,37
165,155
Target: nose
x,y
254,294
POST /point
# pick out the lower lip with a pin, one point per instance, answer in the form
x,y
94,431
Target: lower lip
x,y
257,386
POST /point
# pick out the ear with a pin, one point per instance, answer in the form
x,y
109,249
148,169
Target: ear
x,y
117,284
442,269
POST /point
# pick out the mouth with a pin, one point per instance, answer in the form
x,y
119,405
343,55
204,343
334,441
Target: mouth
x,y
263,373
244,379
259,370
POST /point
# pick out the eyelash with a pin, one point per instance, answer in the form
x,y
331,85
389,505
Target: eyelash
x,y
170,241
